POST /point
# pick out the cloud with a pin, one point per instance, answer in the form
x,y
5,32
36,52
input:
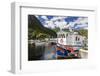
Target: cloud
x,y
64,22
81,26
44,17
82,20
60,22
80,23
49,24
55,22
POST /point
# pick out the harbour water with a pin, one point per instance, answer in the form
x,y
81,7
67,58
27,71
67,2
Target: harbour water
x,y
48,51
41,51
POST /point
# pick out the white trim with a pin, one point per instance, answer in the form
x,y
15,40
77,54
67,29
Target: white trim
x,y
16,62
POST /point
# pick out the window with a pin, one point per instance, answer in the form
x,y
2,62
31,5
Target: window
x,y
76,38
63,35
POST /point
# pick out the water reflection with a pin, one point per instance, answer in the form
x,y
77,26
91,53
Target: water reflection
x,y
35,52
50,51
41,51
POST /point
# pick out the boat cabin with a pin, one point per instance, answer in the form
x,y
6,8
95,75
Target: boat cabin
x,y
69,38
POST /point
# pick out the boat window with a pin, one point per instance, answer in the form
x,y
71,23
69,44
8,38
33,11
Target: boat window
x,y
76,38
63,35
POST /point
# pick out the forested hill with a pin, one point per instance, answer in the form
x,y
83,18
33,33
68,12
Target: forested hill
x,y
34,25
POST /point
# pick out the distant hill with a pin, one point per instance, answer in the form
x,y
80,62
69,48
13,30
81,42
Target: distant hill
x,y
83,32
34,25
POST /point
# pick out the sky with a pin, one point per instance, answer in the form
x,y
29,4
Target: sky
x,y
74,22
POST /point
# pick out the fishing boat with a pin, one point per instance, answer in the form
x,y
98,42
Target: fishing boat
x,y
69,44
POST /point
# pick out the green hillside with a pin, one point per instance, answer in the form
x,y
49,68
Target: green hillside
x,y
37,31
